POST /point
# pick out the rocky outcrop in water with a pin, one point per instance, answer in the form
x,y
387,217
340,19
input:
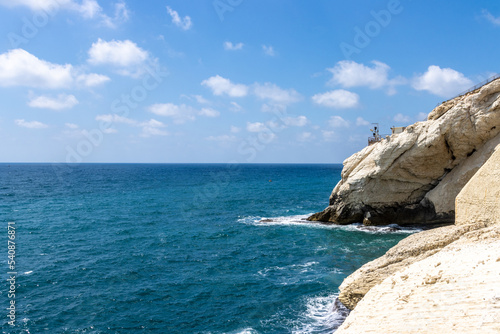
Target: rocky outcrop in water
x,y
445,280
413,177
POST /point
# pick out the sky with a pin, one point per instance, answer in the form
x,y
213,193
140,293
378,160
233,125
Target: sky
x,y
229,81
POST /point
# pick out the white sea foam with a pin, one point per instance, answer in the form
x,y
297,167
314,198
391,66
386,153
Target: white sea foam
x,y
300,220
322,315
293,267
384,229
283,220
292,274
246,331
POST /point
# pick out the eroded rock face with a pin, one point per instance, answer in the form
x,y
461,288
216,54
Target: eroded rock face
x,y
391,181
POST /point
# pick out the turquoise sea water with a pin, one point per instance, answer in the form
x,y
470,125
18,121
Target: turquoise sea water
x,y
174,248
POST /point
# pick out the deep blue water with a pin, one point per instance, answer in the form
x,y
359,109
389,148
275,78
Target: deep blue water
x,y
175,248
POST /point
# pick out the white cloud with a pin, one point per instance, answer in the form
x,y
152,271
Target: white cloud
x,y
256,127
72,126
110,131
263,130
493,19
305,137
179,113
20,68
200,99
30,125
235,129
295,121
152,128
338,99
236,107
62,101
268,50
121,15
348,73
276,125
400,118
88,9
328,136
183,23
114,118
223,86
272,92
209,112
444,82
338,122
125,55
37,5
361,122
92,79
233,47
149,128
273,107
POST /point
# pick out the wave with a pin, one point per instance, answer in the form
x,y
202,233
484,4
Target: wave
x,y
296,273
246,331
324,314
301,220
301,267
293,274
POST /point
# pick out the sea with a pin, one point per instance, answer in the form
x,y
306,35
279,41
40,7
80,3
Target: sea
x,y
175,248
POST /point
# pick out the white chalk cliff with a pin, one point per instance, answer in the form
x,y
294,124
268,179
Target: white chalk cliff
x,y
414,177
445,280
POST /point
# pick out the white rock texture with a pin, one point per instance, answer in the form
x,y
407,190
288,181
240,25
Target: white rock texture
x,y
414,177
479,200
456,290
445,280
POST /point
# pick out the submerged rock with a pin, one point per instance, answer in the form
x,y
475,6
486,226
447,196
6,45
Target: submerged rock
x,y
414,177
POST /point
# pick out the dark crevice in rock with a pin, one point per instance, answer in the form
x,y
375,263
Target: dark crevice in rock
x,y
471,152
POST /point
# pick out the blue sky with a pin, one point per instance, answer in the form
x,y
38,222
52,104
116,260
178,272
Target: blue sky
x,y
229,80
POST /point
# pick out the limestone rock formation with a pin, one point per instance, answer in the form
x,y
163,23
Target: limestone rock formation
x,y
411,177
479,200
409,250
445,280
439,294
